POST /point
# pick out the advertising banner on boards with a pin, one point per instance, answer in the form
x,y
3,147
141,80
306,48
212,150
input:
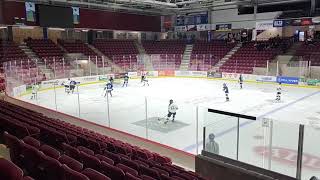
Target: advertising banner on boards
x,y
287,80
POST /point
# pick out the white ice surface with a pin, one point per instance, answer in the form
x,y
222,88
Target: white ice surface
x,y
128,105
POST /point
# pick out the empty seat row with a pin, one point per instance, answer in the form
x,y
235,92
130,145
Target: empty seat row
x,y
47,50
10,51
92,149
248,57
309,53
77,46
164,47
119,51
10,171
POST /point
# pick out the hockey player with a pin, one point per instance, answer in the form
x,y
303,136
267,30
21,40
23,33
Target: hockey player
x,y
125,80
35,88
226,91
72,85
108,89
172,110
67,86
142,77
111,80
279,89
240,81
144,80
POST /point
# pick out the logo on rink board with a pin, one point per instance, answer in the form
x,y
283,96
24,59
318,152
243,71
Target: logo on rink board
x,y
288,80
289,156
266,79
233,76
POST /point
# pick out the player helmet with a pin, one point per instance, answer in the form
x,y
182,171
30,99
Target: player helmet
x,y
171,101
224,84
211,136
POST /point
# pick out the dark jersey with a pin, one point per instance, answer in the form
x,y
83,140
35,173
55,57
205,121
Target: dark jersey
x,y
240,79
126,78
73,83
225,89
109,86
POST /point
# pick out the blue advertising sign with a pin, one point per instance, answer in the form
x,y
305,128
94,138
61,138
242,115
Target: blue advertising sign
x,y
287,80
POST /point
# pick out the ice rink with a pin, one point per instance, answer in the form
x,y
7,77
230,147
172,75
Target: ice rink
x,y
129,107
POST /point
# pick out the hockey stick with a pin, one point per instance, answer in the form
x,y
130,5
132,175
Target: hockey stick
x,y
103,92
164,119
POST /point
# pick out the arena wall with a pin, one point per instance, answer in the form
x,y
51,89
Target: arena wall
x,y
88,19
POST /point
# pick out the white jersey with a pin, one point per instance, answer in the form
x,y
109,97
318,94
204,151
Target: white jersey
x,y
35,88
172,108
68,83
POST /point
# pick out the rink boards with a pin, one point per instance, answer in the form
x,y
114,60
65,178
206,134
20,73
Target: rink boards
x,y
127,108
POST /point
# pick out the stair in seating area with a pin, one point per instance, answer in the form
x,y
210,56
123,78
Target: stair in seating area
x,y
40,64
114,67
143,57
227,56
140,47
186,58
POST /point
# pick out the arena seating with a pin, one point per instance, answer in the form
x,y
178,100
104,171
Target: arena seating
x,y
250,56
14,58
121,52
45,48
165,54
53,149
128,62
50,53
77,46
164,47
310,52
2,78
207,54
10,171
166,61
9,51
